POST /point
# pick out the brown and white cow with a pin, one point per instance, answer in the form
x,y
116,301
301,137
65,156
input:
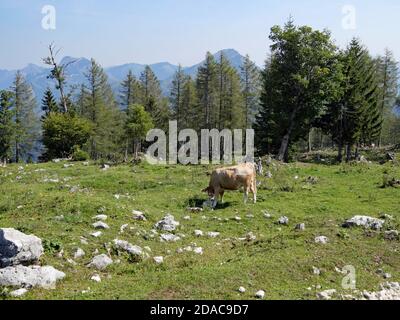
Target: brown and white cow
x,y
232,178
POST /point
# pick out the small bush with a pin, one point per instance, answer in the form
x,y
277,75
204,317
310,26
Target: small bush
x,y
79,155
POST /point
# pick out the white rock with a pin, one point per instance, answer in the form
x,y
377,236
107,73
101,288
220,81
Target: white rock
x,y
168,223
326,295
158,260
138,215
316,271
133,250
100,225
84,240
198,250
79,253
321,239
105,167
364,221
33,276
169,237
242,289
95,278
213,234
96,234
100,217
117,196
86,163
18,248
123,227
250,236
100,262
260,294
18,293
283,220
198,233
237,218
195,209
186,218
300,227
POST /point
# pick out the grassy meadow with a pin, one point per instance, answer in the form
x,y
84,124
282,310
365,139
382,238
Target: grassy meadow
x,y
57,203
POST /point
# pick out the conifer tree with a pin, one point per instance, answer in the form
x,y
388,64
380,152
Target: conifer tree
x,y
130,92
26,124
251,84
101,109
176,96
6,125
206,83
49,104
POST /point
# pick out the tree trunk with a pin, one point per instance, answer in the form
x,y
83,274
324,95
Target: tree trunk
x,y
348,153
340,151
283,151
309,141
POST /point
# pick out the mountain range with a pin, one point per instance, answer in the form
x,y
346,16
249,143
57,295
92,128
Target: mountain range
x,y
75,73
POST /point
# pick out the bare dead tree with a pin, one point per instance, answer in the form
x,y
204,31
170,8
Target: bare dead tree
x,y
58,73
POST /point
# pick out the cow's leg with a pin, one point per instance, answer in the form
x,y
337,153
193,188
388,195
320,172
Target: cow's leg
x,y
214,199
254,190
246,194
221,193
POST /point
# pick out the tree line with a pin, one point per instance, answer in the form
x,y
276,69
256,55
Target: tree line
x,y
307,85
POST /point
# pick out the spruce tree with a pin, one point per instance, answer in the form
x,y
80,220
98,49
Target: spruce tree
x,y
49,104
153,100
6,125
251,84
101,109
131,91
388,76
206,83
26,123
176,96
191,117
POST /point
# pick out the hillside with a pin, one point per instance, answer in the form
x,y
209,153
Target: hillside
x,y
57,203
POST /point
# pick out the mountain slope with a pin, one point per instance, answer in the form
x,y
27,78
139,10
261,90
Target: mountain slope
x,y
37,75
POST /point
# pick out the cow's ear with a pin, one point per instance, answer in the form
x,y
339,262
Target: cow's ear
x,y
205,190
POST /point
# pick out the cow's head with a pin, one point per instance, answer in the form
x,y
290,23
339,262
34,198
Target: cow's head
x,y
210,191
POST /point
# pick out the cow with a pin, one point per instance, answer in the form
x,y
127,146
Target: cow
x,y
232,178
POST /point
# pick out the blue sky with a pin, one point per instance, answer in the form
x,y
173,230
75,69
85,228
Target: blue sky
x,y
179,31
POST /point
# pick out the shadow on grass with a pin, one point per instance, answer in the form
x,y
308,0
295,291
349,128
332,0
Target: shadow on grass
x,y
198,202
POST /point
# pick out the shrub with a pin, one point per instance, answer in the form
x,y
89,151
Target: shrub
x,y
79,155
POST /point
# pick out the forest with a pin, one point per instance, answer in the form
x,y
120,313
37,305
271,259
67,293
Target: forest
x,y
310,95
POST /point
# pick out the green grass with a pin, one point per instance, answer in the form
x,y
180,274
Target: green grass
x,y
279,261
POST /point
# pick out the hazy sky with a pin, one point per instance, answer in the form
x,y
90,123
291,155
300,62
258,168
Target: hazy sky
x,y
179,31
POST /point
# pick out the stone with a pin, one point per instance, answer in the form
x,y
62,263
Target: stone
x,y
100,225
210,204
96,234
260,294
391,235
242,289
18,248
33,276
169,237
168,223
300,227
321,239
95,278
316,271
18,293
283,220
138,215
79,253
133,250
250,236
198,250
326,295
198,233
364,221
100,262
123,227
104,167
158,260
187,218
100,217
213,234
